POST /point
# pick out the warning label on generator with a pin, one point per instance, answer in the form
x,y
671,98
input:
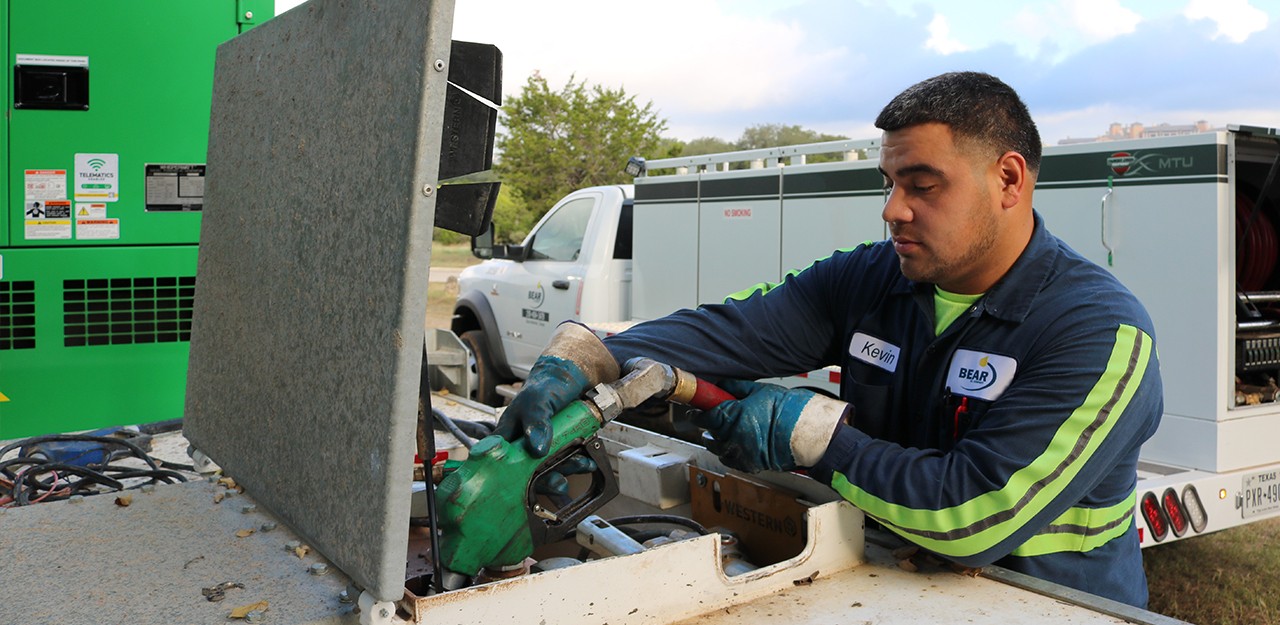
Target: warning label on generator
x,y
43,229
175,187
47,219
57,209
91,211
56,60
97,229
45,184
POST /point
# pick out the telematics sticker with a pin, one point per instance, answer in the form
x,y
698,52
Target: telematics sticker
x,y
97,177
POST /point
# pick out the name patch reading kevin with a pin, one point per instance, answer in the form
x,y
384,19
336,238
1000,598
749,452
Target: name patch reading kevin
x,y
874,351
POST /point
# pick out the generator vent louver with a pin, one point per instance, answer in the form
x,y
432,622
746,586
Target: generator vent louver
x,y
18,315
120,311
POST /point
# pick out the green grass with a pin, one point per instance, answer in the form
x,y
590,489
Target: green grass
x,y
439,305
1225,578
452,255
440,295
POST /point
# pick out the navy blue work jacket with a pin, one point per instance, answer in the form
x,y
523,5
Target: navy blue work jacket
x,y
1011,438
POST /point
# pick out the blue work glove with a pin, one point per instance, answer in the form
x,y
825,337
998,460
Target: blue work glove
x,y
574,361
771,427
555,484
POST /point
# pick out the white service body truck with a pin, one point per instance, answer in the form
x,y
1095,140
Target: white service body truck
x,y
1183,221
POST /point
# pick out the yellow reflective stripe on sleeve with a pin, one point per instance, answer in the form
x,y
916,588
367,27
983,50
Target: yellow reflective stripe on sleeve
x,y
765,287
762,288
1081,529
984,520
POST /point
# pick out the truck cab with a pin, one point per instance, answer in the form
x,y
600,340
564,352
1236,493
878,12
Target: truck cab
x,y
575,263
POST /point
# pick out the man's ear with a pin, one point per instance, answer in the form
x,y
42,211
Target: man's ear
x,y
1014,178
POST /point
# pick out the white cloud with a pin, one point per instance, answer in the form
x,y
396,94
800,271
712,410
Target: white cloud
x,y
1060,29
1031,29
1236,19
1100,20
695,56
940,39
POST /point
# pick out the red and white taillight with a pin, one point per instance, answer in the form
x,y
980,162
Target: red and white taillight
x,y
1173,513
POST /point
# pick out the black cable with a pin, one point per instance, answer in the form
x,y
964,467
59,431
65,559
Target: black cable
x,y
26,481
161,427
22,475
424,397
475,429
177,466
137,451
671,519
452,428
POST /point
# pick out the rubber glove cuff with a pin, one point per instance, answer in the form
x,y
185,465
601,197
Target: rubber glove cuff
x,y
772,427
575,360
815,427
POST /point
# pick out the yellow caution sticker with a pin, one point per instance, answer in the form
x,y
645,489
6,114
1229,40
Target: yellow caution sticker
x,y
3,398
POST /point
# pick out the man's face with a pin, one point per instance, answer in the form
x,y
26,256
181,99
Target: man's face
x,y
943,208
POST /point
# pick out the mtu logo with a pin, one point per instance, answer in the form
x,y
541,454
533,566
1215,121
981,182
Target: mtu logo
x,y
980,375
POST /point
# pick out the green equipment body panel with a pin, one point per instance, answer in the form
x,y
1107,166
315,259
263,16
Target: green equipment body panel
x,y
98,336
105,139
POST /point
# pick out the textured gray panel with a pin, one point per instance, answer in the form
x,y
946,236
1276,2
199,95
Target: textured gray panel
x,y
311,286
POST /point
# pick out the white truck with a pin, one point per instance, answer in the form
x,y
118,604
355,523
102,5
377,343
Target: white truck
x,y
1185,222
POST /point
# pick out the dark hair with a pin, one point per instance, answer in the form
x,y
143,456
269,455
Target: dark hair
x,y
978,107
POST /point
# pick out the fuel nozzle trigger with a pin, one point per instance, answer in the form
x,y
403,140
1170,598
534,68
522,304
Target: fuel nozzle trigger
x,y
552,517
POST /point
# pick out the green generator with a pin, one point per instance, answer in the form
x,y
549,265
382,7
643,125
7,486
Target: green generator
x,y
104,150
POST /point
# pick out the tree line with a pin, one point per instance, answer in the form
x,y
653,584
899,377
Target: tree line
x,y
580,135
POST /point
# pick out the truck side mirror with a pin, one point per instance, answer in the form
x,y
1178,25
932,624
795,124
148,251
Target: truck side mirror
x,y
482,244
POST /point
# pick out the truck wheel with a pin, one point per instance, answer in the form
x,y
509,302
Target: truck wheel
x,y
485,390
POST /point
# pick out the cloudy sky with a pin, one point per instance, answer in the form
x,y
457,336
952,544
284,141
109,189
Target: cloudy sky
x,y
714,67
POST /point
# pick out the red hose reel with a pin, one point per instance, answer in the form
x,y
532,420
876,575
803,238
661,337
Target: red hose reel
x,y
1255,246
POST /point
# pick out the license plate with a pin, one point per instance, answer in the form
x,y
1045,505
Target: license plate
x,y
1260,493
